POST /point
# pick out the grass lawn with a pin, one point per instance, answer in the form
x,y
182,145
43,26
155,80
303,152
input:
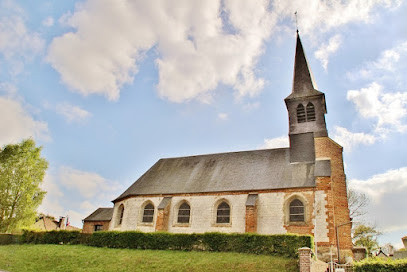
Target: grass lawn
x,y
15,258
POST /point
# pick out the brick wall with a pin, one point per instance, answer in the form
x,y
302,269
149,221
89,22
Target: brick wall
x,y
336,194
162,219
251,219
89,227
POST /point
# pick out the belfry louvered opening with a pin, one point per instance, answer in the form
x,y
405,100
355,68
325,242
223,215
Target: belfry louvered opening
x,y
310,112
301,114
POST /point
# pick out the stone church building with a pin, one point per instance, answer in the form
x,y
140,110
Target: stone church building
x,y
300,189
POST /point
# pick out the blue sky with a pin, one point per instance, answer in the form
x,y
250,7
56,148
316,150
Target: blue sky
x,y
109,87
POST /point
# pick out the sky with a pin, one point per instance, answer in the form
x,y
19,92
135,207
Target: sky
x,y
108,87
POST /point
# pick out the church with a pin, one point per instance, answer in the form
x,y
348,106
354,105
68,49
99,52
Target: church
x,y
299,189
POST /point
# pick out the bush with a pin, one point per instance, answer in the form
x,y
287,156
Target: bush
x,y
54,237
379,265
7,239
279,245
141,240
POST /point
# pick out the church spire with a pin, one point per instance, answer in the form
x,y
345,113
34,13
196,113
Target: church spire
x,y
303,81
306,110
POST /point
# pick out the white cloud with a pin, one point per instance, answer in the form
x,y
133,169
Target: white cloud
x,y
50,186
75,216
76,193
324,52
197,44
17,43
51,204
387,193
386,65
87,184
72,113
48,22
383,184
349,139
223,116
88,206
275,142
320,16
251,106
16,122
388,109
8,89
197,47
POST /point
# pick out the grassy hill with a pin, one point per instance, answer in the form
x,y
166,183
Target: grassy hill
x,y
15,258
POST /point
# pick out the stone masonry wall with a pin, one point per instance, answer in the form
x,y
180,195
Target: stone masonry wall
x,y
271,209
336,194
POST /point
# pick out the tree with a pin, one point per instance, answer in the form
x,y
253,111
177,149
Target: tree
x,y
366,236
357,203
22,170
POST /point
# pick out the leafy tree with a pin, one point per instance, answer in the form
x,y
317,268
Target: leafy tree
x,y
366,236
22,171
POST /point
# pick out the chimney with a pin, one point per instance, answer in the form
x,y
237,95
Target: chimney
x,y
62,224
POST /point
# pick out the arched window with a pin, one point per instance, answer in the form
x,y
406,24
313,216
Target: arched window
x,y
148,213
310,112
297,211
223,213
184,212
301,114
121,213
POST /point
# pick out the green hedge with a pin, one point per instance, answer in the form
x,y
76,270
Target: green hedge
x,y
54,237
281,245
7,239
379,265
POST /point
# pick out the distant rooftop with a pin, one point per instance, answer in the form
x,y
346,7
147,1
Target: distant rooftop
x,y
101,214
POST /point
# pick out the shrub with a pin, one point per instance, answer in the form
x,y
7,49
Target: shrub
x,y
7,239
280,245
379,265
54,237
141,240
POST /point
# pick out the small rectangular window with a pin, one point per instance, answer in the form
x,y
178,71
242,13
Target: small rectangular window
x,y
98,228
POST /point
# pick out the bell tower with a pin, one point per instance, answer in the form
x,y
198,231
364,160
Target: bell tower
x,y
306,110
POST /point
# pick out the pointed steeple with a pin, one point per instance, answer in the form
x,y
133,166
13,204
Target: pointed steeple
x,y
306,110
303,81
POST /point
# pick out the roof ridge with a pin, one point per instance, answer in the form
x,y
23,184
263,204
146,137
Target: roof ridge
x,y
223,153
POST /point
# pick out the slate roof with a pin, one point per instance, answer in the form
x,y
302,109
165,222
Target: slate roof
x,y
303,82
234,171
101,214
